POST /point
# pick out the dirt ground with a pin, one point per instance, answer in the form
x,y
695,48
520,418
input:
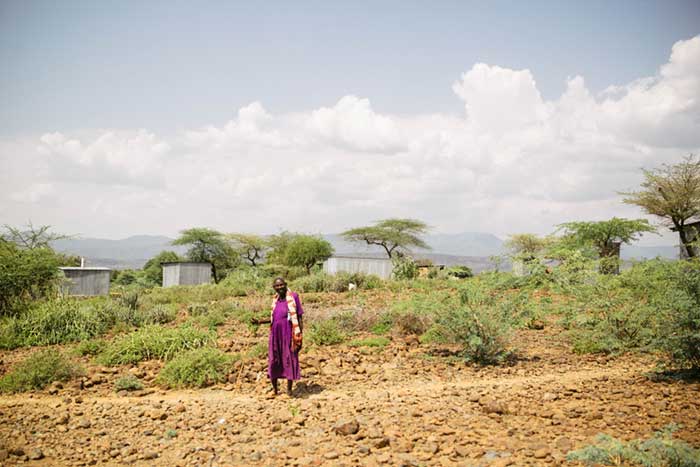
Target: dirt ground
x,y
406,404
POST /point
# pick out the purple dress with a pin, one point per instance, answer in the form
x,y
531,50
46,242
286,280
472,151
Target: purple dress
x,y
281,361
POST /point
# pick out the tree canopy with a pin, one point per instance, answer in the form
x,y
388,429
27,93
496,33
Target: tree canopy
x,y
31,237
307,251
208,245
526,245
672,192
250,247
602,234
396,236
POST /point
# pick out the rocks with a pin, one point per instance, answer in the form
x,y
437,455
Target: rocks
x,y
84,423
35,454
346,427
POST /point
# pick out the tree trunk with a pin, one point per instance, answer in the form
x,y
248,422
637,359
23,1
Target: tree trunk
x,y
685,241
213,273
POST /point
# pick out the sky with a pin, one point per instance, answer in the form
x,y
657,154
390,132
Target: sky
x,y
123,118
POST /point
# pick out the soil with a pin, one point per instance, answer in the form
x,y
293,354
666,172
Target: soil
x,y
404,404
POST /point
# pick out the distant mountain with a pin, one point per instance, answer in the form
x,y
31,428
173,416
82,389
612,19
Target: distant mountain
x,y
130,252
462,244
468,248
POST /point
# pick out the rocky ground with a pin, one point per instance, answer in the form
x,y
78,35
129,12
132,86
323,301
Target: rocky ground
x,y
406,404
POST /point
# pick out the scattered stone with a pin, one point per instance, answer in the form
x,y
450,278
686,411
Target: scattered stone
x,y
347,427
84,423
35,454
331,455
382,443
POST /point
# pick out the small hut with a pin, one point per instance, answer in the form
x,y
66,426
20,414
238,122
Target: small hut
x,y
378,266
186,273
692,235
85,281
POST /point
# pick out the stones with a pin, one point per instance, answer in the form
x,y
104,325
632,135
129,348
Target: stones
x,y
84,423
35,454
346,427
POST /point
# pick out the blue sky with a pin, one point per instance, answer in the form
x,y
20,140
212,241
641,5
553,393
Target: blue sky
x,y
168,65
501,117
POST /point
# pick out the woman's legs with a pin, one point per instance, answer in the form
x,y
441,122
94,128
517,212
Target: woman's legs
x,y
275,387
289,386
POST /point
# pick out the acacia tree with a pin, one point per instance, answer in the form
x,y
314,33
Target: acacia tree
x,y
605,237
250,247
526,246
672,192
307,251
31,237
394,235
208,245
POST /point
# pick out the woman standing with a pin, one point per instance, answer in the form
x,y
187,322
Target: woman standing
x,y
285,336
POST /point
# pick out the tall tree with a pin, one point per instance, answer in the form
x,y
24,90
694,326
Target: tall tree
x,y
31,237
606,236
307,251
207,245
672,192
396,236
526,245
250,247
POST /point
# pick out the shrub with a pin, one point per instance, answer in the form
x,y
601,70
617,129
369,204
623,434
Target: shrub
x,y
57,322
25,275
128,383
405,268
37,371
416,314
259,350
130,299
679,336
158,314
318,282
661,450
246,281
90,347
154,341
459,272
196,368
479,326
375,341
325,332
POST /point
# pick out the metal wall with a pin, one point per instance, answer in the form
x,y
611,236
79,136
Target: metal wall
x,y
186,274
377,266
86,281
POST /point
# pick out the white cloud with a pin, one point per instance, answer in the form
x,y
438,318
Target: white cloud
x,y
512,162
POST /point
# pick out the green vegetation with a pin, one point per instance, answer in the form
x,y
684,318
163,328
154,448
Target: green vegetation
x,y
661,450
672,193
395,236
37,371
374,341
325,332
209,246
128,383
306,251
196,368
154,341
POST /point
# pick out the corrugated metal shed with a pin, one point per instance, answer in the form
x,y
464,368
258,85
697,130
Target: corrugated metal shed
x,y
378,266
86,281
186,273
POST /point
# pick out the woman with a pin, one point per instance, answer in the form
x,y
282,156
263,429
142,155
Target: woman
x,y
285,336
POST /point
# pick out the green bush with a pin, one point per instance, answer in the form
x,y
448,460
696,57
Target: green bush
x,y
325,332
57,322
154,341
196,368
479,325
258,351
459,272
37,371
415,314
247,280
25,275
375,341
661,450
318,282
90,347
128,383
404,268
130,299
158,314
289,273
679,334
